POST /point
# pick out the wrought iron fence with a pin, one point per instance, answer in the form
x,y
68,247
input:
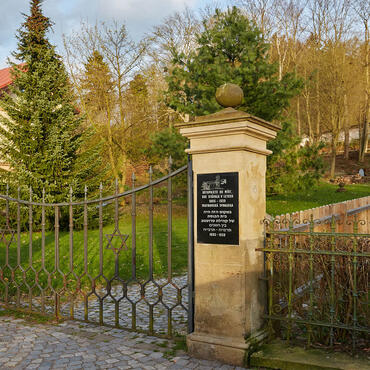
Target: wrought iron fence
x,y
318,282
118,273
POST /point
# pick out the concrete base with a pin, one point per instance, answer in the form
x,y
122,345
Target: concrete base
x,y
280,355
224,349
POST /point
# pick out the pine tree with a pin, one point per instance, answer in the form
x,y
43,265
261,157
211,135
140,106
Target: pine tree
x,y
231,49
41,135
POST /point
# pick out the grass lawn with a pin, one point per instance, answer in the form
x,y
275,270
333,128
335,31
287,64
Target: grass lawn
x,y
318,196
160,254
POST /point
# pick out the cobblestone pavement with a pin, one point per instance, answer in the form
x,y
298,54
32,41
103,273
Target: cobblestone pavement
x,y
75,345
170,299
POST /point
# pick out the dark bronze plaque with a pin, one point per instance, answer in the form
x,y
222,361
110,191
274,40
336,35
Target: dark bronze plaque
x,y
218,208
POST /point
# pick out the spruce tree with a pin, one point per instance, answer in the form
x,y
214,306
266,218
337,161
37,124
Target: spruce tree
x,y
41,135
230,49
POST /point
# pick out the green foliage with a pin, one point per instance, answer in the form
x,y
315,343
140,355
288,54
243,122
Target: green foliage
x,y
42,136
97,86
292,168
138,104
231,49
166,143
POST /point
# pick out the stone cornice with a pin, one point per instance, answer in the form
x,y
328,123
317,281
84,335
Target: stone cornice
x,y
245,148
227,129
228,115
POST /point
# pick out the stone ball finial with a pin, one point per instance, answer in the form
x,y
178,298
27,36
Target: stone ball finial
x,y
229,95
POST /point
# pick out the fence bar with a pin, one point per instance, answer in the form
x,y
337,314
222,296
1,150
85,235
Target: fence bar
x,y
116,264
116,314
101,317
310,310
150,224
190,247
354,291
270,266
56,255
169,322
332,285
101,264
169,241
133,231
43,224
85,226
320,253
317,233
30,223
319,323
169,222
85,232
71,310
151,319
19,243
105,199
30,253
6,242
100,229
7,227
290,289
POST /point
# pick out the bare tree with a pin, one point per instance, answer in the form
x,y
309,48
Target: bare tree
x,y
330,26
362,10
176,34
261,12
122,57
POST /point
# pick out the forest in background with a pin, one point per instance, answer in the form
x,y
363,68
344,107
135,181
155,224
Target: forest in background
x,y
121,84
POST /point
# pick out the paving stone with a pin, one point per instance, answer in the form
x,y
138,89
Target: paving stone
x,y
72,345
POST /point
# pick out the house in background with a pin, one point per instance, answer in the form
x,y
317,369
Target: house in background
x,y
5,82
5,79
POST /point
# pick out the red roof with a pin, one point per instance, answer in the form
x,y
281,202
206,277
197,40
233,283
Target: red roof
x,y
5,77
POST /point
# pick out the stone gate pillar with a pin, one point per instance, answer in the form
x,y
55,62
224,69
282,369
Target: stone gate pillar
x,y
229,152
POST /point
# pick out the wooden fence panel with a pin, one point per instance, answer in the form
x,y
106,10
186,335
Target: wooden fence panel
x,y
346,212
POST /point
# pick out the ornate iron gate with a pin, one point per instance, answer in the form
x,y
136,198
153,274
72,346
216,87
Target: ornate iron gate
x,y
102,273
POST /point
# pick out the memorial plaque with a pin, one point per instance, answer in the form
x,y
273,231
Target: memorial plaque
x,y
218,208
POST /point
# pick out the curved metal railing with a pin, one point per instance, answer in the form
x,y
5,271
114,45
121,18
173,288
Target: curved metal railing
x,y
100,199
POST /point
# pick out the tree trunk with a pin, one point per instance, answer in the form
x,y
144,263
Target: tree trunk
x,y
308,114
365,130
318,118
364,141
346,129
333,156
346,142
298,118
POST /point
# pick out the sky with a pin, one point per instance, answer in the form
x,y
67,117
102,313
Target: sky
x,y
138,15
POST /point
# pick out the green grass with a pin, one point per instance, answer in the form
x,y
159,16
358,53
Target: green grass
x,y
318,196
30,317
160,254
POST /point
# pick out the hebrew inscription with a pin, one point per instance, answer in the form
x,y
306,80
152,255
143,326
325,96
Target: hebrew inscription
x,y
218,208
